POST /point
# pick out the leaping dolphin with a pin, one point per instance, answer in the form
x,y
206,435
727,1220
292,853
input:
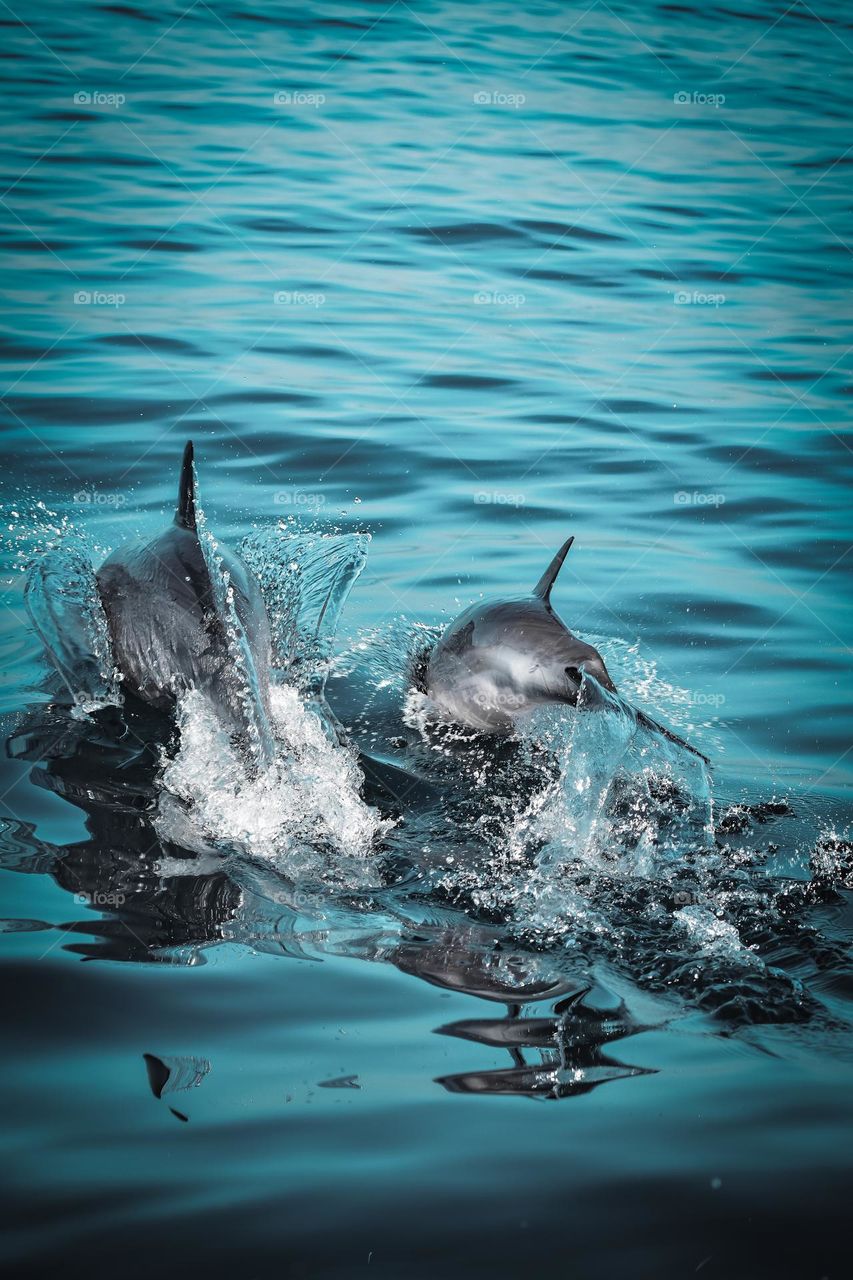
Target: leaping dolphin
x,y
501,658
175,613
184,613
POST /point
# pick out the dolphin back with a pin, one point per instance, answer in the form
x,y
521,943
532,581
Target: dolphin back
x,y
183,614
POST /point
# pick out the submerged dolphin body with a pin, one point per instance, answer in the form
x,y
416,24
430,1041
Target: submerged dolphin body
x,y
182,614
501,658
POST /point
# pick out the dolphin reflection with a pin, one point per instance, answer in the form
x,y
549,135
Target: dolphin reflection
x,y
159,902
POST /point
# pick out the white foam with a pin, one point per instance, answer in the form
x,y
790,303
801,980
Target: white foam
x,y
305,805
711,935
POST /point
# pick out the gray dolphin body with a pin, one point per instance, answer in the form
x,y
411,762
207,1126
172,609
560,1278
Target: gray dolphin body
x,y
172,627
501,658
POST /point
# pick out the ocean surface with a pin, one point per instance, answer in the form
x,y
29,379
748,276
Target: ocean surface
x,y
433,286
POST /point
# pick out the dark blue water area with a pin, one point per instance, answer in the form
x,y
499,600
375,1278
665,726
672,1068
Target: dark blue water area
x,y
467,278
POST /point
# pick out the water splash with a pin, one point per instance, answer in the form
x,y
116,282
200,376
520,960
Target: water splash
x,y
305,578
243,676
625,796
713,936
588,834
585,834
304,813
294,797
640,682
65,608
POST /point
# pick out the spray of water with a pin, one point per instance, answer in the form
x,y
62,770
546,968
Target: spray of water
x,y
63,603
303,813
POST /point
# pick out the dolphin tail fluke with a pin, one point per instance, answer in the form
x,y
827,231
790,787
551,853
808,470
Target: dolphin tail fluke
x,y
185,514
549,577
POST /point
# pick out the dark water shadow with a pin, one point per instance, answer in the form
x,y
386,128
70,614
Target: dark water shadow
x,y
148,900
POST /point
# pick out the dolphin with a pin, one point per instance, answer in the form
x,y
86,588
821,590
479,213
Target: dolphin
x,y
182,612
501,658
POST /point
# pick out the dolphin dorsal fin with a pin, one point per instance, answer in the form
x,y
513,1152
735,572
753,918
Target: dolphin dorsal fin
x,y
549,577
185,514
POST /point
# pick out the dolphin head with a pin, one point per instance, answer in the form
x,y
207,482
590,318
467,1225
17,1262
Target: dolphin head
x,y
501,658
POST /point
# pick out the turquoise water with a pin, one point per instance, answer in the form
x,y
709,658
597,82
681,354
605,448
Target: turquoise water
x,y
469,280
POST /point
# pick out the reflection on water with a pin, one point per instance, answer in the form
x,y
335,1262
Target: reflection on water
x,y
155,903
710,927
570,1048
